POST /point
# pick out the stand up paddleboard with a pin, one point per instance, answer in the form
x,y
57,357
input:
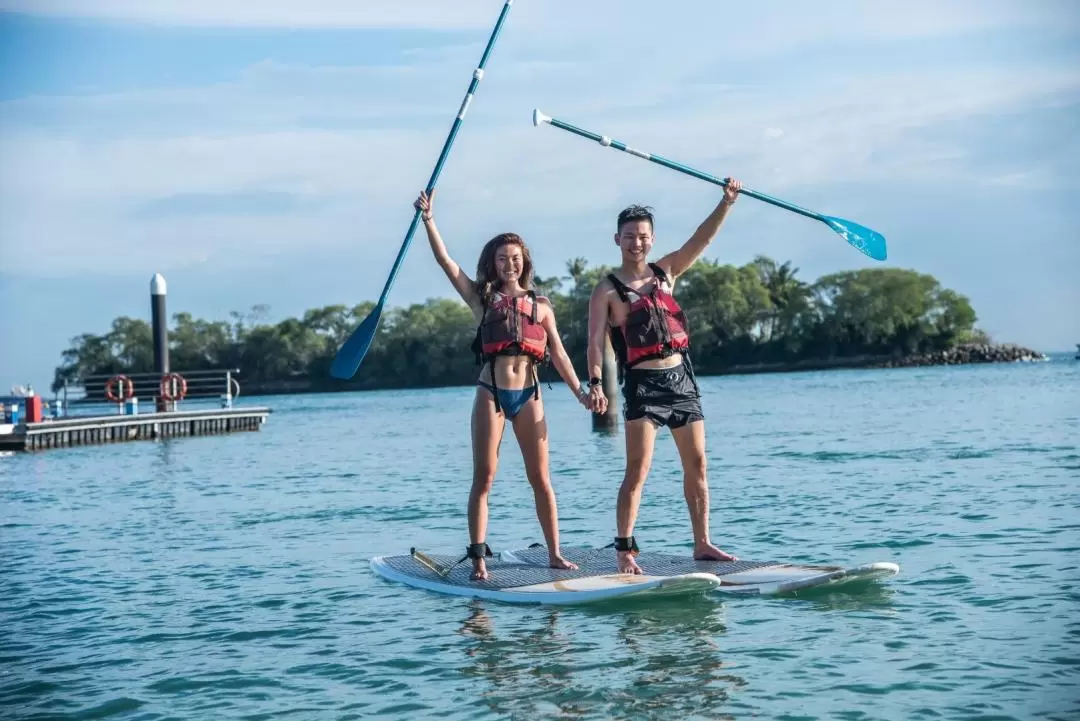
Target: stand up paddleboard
x,y
523,576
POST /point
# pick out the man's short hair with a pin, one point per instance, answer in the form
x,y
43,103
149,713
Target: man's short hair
x,y
634,213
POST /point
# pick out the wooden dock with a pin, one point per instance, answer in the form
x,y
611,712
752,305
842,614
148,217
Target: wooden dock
x,y
117,428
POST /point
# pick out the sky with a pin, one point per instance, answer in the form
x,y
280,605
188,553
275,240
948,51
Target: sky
x,y
269,152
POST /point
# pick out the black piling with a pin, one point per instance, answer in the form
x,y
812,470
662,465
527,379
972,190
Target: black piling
x,y
160,324
609,420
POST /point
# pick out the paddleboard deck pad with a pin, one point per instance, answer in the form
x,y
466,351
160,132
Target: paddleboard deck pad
x,y
523,575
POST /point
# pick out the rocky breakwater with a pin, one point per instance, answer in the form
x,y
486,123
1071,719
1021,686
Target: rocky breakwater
x,y
968,353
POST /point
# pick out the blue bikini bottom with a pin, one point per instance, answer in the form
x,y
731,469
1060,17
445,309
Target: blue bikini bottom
x,y
512,400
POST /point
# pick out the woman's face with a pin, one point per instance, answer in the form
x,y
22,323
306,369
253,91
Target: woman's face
x,y
509,262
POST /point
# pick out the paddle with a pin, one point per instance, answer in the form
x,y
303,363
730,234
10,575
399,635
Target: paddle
x,y
352,352
860,237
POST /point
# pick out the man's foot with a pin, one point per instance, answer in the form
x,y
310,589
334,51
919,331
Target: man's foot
x,y
709,552
479,570
557,561
626,563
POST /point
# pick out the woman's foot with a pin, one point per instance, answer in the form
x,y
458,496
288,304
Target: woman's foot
x,y
557,561
709,552
479,570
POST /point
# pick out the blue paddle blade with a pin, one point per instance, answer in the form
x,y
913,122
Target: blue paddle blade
x,y
350,355
869,242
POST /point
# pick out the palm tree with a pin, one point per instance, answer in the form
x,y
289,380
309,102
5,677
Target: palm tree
x,y
789,295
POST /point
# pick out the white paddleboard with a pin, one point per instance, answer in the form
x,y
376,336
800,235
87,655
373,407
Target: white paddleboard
x,y
523,576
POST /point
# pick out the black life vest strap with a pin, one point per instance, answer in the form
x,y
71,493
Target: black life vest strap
x,y
624,290
547,350
621,288
478,341
654,308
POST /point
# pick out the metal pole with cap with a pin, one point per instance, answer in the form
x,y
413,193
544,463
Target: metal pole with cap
x,y
160,325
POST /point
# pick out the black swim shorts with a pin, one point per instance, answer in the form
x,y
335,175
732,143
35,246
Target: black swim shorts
x,y
666,396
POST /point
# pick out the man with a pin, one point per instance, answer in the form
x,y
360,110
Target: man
x,y
651,340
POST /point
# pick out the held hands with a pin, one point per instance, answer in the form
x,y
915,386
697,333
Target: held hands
x,y
597,400
592,398
423,204
731,190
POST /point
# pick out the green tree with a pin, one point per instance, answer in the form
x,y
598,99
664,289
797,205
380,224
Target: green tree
x,y
759,312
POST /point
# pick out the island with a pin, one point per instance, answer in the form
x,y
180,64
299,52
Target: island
x,y
755,318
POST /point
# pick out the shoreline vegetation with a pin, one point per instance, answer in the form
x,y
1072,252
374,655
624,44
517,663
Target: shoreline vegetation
x,y
755,318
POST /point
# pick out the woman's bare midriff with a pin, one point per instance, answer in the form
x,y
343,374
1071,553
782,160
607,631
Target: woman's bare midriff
x,y
511,372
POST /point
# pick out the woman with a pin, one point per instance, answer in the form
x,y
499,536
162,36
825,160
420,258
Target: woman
x,y
516,332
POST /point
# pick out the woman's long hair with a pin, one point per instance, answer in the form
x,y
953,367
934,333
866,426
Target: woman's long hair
x,y
487,277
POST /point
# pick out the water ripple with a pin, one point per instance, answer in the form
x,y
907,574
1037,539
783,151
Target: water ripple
x,y
227,577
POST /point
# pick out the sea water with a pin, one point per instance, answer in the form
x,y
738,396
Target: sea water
x,y
228,577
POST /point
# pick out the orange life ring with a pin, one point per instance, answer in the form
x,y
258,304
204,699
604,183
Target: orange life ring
x,y
124,387
173,387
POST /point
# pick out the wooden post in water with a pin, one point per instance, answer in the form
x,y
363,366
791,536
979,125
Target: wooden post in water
x,y
609,373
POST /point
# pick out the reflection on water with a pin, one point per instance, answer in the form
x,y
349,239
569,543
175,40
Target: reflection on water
x,y
166,451
854,596
870,596
638,658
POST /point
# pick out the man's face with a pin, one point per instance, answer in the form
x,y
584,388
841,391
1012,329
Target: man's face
x,y
635,238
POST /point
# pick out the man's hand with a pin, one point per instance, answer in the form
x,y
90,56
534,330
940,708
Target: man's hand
x,y
731,190
597,400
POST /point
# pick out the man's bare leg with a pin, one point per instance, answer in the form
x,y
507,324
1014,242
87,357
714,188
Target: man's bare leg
x,y
690,440
640,438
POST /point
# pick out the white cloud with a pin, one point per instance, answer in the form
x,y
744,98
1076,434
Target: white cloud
x,y
762,26
78,173
58,192
464,14
1022,177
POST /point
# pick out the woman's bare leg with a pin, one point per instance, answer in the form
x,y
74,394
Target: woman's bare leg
x,y
530,428
487,432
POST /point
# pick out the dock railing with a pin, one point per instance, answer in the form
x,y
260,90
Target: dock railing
x,y
160,391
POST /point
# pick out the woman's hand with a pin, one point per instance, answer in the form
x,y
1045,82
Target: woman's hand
x,y
592,398
423,204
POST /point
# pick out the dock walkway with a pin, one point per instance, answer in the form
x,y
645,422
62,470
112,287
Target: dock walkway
x,y
95,430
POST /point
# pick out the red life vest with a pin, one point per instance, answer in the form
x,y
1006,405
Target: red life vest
x,y
510,327
655,326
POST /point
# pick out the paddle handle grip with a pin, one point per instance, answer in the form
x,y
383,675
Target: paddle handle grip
x,y
352,352
477,76
867,241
